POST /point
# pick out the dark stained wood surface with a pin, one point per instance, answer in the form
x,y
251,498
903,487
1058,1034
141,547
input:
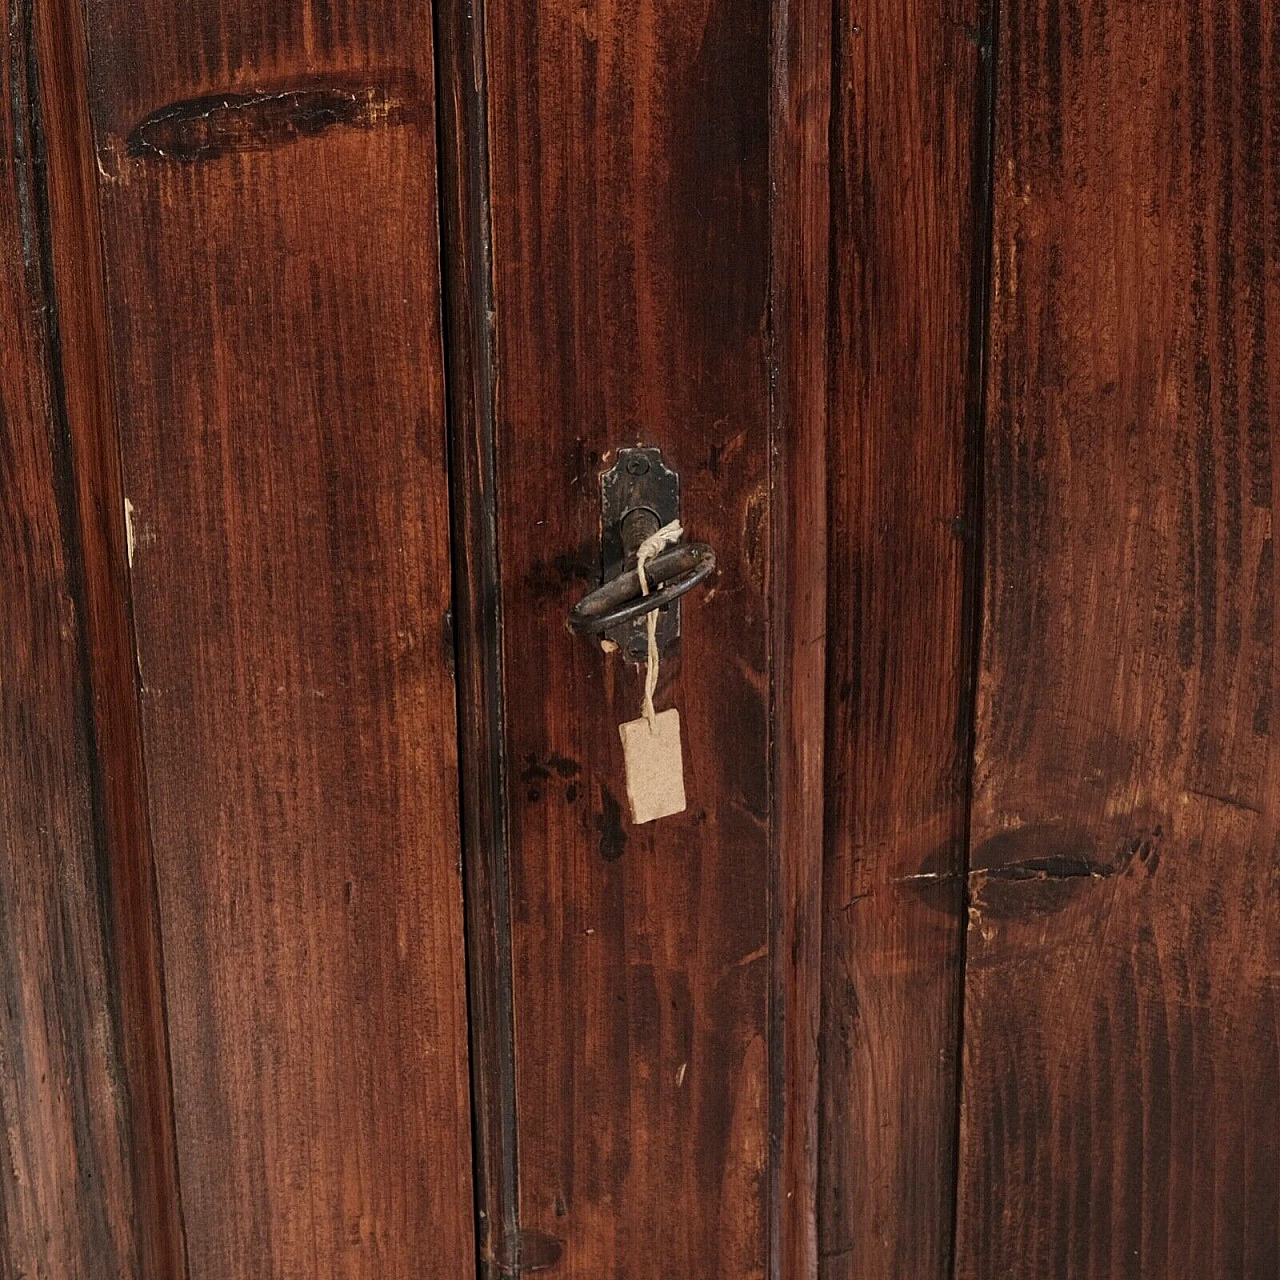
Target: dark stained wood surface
x,y
799,318
758,238
468,308
1122,1030
269,205
630,179
67,1204
136,961
908,184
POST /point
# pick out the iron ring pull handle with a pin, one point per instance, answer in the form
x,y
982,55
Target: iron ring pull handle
x,y
671,573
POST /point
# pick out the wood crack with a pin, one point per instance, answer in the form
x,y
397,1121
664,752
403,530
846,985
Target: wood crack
x,y
214,125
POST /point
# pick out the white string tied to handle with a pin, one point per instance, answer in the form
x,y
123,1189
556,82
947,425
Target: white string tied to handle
x,y
649,548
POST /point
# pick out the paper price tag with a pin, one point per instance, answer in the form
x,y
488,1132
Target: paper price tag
x,y
655,766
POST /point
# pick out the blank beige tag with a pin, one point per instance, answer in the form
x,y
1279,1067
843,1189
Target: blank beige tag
x,y
655,766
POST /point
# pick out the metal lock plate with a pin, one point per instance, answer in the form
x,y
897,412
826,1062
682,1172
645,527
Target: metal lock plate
x,y
638,495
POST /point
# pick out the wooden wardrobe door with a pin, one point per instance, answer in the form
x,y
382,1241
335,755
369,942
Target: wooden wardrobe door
x,y
631,252
266,174
1122,1016
645,226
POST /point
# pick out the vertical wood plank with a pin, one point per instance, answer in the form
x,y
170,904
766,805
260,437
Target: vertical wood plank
x,y
269,204
909,180
800,169
468,294
67,1204
1122,1041
630,178
80,314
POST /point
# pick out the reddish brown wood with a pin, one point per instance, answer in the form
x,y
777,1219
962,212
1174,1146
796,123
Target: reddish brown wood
x,y
799,321
75,255
67,1199
908,178
630,179
1122,1037
268,200
468,297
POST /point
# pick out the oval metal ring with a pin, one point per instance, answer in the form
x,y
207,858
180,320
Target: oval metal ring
x,y
670,573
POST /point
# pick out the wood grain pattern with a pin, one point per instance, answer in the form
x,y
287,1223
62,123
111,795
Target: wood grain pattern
x,y
87,403
799,322
67,1205
468,296
269,205
630,173
1122,1040
909,179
